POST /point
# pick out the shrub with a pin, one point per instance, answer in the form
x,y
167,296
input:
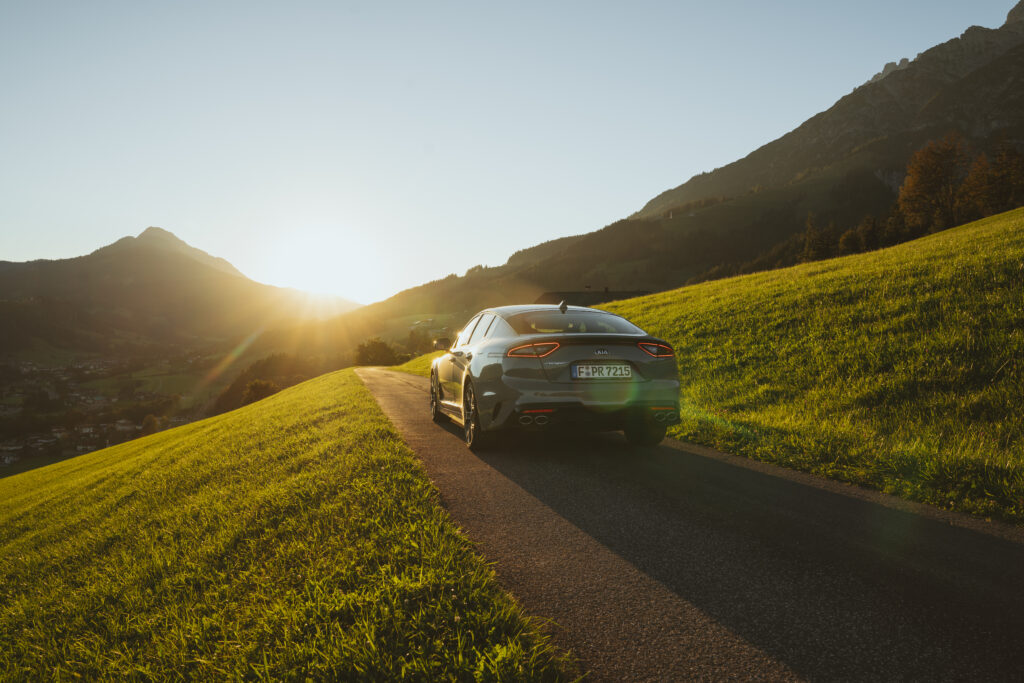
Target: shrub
x,y
259,389
375,351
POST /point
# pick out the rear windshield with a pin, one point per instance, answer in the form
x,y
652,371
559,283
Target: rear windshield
x,y
555,322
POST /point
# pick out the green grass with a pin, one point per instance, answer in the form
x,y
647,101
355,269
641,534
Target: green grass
x,y
901,369
419,365
297,538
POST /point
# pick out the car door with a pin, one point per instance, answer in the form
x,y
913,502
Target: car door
x,y
463,362
444,373
453,382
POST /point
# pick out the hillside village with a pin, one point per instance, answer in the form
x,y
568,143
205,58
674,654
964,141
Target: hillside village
x,y
78,407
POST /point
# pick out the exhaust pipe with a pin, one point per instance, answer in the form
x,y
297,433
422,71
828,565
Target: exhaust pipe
x,y
526,420
540,420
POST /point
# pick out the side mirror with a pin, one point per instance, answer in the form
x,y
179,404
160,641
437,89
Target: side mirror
x,y
442,344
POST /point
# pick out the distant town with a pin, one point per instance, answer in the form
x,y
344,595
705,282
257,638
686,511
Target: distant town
x,y
52,409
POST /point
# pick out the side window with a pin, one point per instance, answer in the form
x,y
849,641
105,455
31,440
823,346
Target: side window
x,y
481,328
467,331
500,329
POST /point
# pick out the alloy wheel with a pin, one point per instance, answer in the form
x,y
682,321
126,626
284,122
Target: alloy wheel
x,y
471,418
435,401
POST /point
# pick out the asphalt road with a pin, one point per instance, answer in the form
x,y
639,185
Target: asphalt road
x,y
681,563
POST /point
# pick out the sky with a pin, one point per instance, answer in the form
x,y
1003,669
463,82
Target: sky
x,y
361,148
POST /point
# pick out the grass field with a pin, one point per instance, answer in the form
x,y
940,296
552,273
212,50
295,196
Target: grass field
x,y
296,538
419,365
901,369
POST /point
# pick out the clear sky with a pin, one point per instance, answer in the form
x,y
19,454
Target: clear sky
x,y
359,148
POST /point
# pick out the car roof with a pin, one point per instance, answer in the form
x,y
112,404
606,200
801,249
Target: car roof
x,y
506,311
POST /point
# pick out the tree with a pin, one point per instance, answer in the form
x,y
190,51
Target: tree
x,y
870,233
992,188
850,242
1008,191
257,390
894,230
375,351
976,196
150,425
928,197
419,342
818,243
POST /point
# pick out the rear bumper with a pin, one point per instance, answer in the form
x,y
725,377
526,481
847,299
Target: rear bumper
x,y
528,404
584,418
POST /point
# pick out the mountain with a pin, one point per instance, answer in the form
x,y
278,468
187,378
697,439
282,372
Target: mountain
x,y
872,127
158,238
142,293
840,165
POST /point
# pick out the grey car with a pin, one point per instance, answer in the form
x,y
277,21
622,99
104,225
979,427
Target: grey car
x,y
555,367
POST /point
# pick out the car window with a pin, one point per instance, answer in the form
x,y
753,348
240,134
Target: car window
x,y
570,322
481,328
487,332
466,332
500,329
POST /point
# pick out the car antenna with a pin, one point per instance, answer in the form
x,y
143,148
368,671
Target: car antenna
x,y
562,306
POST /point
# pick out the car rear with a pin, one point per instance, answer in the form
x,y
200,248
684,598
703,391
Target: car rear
x,y
596,380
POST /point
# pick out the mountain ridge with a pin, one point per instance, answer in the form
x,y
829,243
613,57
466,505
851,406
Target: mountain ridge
x,y
873,109
159,238
143,293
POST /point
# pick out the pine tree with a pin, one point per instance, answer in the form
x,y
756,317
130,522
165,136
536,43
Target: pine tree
x,y
813,239
850,242
928,197
870,233
1008,183
976,197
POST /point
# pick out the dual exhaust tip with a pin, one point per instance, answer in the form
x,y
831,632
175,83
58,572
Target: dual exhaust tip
x,y
665,416
539,420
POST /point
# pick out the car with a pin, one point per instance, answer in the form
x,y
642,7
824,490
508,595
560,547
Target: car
x,y
548,367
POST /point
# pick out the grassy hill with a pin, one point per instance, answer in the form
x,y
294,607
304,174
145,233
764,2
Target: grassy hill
x,y
295,538
901,369
419,365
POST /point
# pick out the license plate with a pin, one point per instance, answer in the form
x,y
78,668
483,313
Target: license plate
x,y
602,371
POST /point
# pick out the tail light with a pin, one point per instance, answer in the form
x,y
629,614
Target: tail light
x,y
656,350
533,350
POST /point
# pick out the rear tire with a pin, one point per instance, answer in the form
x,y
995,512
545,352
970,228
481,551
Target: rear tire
x,y
645,434
436,413
472,433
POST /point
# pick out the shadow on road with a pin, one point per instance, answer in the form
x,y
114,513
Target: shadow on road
x,y
795,570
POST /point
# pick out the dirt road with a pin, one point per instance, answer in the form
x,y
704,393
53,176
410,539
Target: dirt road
x,y
680,563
